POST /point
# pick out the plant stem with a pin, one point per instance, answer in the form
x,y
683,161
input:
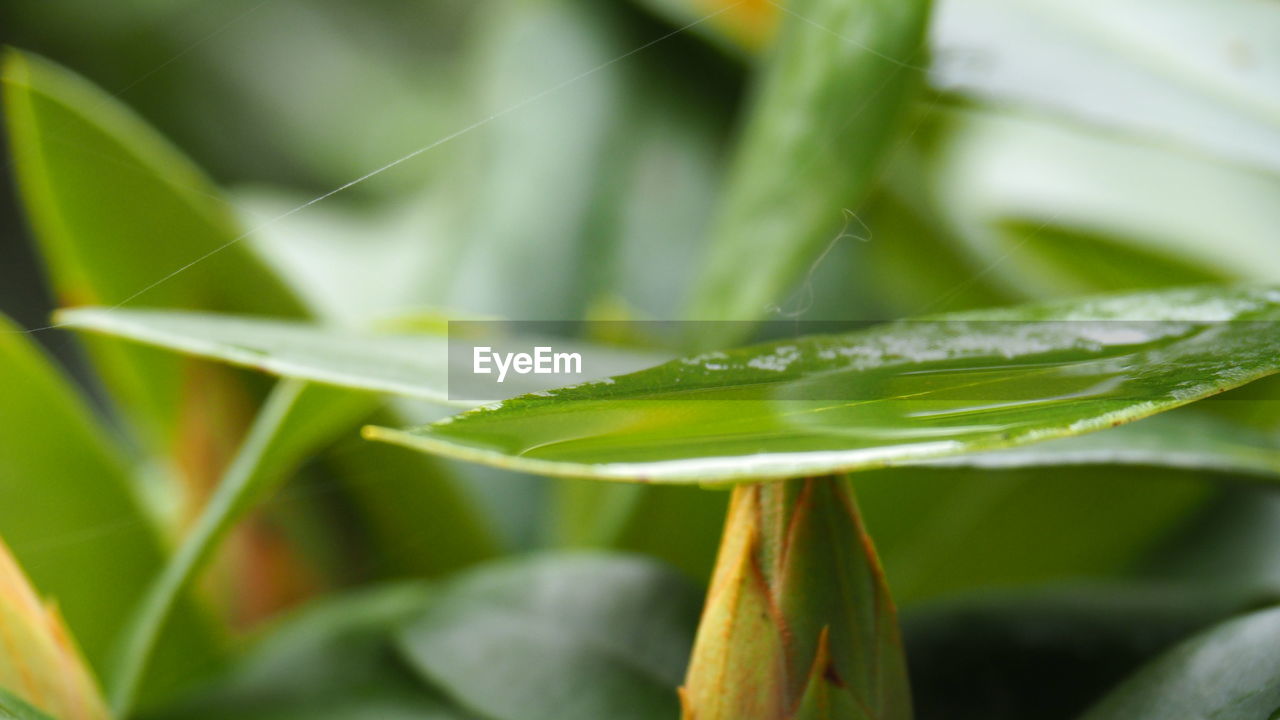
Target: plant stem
x,y
229,501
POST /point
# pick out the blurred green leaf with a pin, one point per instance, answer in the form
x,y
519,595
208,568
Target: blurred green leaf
x,y
69,510
415,365
739,26
117,211
559,637
896,393
530,190
39,660
1044,209
421,520
296,418
1225,673
1202,74
948,530
334,660
13,708
824,116
1050,652
1182,439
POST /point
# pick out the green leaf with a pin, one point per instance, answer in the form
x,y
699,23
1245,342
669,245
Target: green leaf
x,y
296,418
12,707
1225,673
534,182
333,659
1051,652
893,394
414,365
1182,439
942,531
560,637
824,115
1205,75
416,509
116,211
1041,209
69,509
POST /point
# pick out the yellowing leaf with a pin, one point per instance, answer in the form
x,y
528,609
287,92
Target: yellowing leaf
x,y
39,661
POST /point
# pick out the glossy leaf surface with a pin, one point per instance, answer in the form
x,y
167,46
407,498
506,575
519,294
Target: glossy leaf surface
x,y
567,637
1230,672
893,394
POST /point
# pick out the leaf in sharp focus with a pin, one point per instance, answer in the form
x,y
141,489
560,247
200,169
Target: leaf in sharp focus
x,y
1049,653
116,210
332,660
889,395
559,637
39,661
410,365
1206,75
825,113
1229,672
69,510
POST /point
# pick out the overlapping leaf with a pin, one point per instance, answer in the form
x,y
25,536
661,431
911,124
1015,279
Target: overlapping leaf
x,y
116,210
70,510
897,393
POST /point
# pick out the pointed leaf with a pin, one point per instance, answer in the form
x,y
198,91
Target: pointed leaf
x,y
827,107
116,210
294,420
70,510
412,365
39,660
900,392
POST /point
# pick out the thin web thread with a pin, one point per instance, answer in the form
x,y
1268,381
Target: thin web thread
x,y
405,158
